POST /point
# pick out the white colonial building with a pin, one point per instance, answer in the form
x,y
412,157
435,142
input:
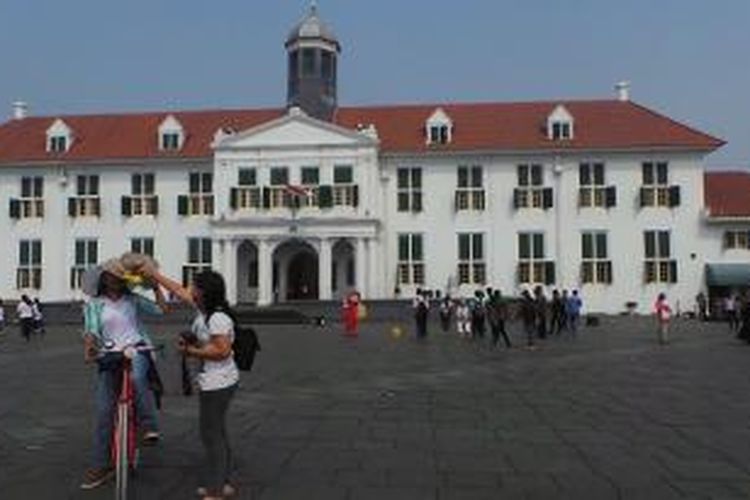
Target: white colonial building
x,y
314,199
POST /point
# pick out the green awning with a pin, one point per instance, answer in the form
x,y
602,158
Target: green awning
x,y
728,274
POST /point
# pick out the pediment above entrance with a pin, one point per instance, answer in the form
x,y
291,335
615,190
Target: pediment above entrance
x,y
295,129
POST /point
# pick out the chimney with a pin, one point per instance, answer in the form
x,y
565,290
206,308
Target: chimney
x,y
20,110
623,91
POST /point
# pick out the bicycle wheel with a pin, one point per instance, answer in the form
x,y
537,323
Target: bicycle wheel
x,y
121,452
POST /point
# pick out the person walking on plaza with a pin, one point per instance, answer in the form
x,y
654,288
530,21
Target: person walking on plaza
x,y
478,315
497,314
702,303
2,316
528,315
558,312
421,314
25,314
446,313
743,332
730,312
463,319
573,307
38,317
112,322
214,331
663,313
541,312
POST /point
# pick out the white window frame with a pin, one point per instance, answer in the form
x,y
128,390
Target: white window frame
x,y
530,192
29,273
532,267
657,190
735,239
32,205
200,263
142,200
658,267
343,192
471,196
87,200
593,193
313,189
143,245
249,195
596,267
411,267
90,247
409,196
472,269
200,200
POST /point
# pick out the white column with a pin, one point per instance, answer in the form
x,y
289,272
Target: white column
x,y
230,270
324,270
372,269
360,267
265,273
218,256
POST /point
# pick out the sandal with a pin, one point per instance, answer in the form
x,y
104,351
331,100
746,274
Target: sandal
x,y
226,491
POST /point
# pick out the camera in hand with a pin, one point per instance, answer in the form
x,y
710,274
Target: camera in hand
x,y
189,337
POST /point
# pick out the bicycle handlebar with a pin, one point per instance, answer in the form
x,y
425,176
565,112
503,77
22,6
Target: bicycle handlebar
x,y
129,351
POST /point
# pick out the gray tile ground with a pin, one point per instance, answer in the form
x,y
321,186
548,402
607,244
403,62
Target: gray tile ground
x,y
610,415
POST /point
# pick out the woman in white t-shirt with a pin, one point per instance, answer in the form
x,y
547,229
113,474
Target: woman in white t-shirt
x,y
213,332
25,313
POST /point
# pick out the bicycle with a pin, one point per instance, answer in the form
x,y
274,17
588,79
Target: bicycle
x,y
124,447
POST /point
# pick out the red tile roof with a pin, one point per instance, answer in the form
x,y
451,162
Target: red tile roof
x,y
727,194
599,125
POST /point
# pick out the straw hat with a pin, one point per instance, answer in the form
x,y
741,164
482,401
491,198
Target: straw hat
x,y
115,267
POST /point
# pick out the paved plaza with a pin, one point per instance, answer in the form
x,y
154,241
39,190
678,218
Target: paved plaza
x,y
609,415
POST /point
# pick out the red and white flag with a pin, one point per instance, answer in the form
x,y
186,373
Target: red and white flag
x,y
296,190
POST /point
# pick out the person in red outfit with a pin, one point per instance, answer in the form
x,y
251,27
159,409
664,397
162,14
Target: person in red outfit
x,y
350,313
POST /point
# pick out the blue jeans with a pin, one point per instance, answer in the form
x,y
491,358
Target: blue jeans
x,y
106,404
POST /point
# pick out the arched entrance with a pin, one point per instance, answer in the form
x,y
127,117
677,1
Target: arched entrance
x,y
247,272
295,271
343,279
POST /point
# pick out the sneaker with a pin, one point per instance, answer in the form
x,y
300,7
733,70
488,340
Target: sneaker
x,y
96,477
226,491
151,438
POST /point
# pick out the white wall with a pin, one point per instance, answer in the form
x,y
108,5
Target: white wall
x,y
501,223
693,241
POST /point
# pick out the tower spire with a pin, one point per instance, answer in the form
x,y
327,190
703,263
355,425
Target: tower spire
x,y
313,50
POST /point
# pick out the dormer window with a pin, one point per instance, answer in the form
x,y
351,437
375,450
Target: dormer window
x,y
171,134
439,128
560,124
439,134
170,141
58,144
561,130
59,137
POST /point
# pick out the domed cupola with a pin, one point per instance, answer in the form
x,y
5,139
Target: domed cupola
x,y
313,50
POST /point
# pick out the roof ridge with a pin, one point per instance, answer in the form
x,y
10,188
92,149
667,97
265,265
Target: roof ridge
x,y
136,113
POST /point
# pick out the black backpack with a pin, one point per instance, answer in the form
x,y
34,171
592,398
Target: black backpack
x,y
245,346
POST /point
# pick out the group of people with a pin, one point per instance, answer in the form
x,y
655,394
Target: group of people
x,y
113,321
540,317
29,316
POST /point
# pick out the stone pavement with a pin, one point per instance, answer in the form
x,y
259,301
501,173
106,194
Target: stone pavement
x,y
609,415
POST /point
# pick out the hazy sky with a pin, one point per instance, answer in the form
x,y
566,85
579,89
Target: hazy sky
x,y
687,58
